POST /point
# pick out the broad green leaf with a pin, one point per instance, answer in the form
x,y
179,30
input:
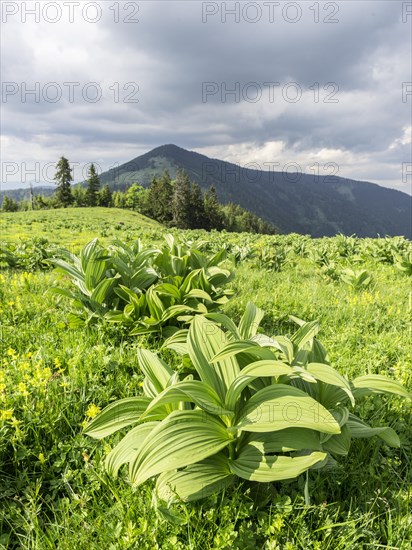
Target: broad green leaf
x,y
250,321
190,391
258,369
177,342
103,291
127,448
328,375
280,406
256,466
94,272
218,258
169,289
156,370
243,347
297,320
205,340
175,311
197,481
116,416
358,429
289,439
71,270
340,443
376,383
281,343
226,322
199,294
154,304
217,276
305,333
183,438
144,278
62,292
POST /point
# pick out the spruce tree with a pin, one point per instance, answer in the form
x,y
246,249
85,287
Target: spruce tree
x,y
165,198
213,210
93,187
63,178
9,205
198,213
181,202
105,196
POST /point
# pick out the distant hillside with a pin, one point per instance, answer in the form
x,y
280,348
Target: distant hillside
x,y
24,194
319,208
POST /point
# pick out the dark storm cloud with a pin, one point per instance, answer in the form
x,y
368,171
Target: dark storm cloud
x,y
349,75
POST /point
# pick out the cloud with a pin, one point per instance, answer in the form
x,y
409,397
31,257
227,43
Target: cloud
x,y
191,74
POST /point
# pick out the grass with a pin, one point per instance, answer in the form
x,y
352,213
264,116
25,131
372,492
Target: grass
x,y
74,227
54,492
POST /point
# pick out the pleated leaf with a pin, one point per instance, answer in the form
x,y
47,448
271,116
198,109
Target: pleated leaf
x,y
250,321
376,383
156,370
116,416
339,444
289,439
183,438
254,370
242,346
328,375
127,449
205,340
190,391
280,406
256,466
358,429
196,481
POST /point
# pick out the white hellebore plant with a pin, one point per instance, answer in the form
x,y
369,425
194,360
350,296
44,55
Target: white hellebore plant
x,y
257,408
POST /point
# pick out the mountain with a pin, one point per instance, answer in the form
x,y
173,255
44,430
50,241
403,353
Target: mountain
x,y
319,207
293,202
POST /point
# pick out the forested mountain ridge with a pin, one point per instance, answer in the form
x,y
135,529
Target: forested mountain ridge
x,y
300,203
320,206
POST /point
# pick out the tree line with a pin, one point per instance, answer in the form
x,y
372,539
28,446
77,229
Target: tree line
x,y
178,203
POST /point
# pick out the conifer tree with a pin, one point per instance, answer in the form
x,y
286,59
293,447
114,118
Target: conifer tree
x,y
93,186
9,205
63,178
213,210
160,198
181,214
197,206
105,196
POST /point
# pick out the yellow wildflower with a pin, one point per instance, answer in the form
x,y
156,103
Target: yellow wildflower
x,y
12,353
92,411
14,422
41,458
23,389
6,414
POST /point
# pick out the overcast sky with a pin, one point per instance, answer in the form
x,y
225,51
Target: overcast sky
x,y
325,85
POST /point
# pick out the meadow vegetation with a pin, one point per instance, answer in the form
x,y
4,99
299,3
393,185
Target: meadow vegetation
x,y
57,376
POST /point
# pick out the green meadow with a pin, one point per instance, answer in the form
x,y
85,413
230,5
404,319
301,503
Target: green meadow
x,y
56,376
